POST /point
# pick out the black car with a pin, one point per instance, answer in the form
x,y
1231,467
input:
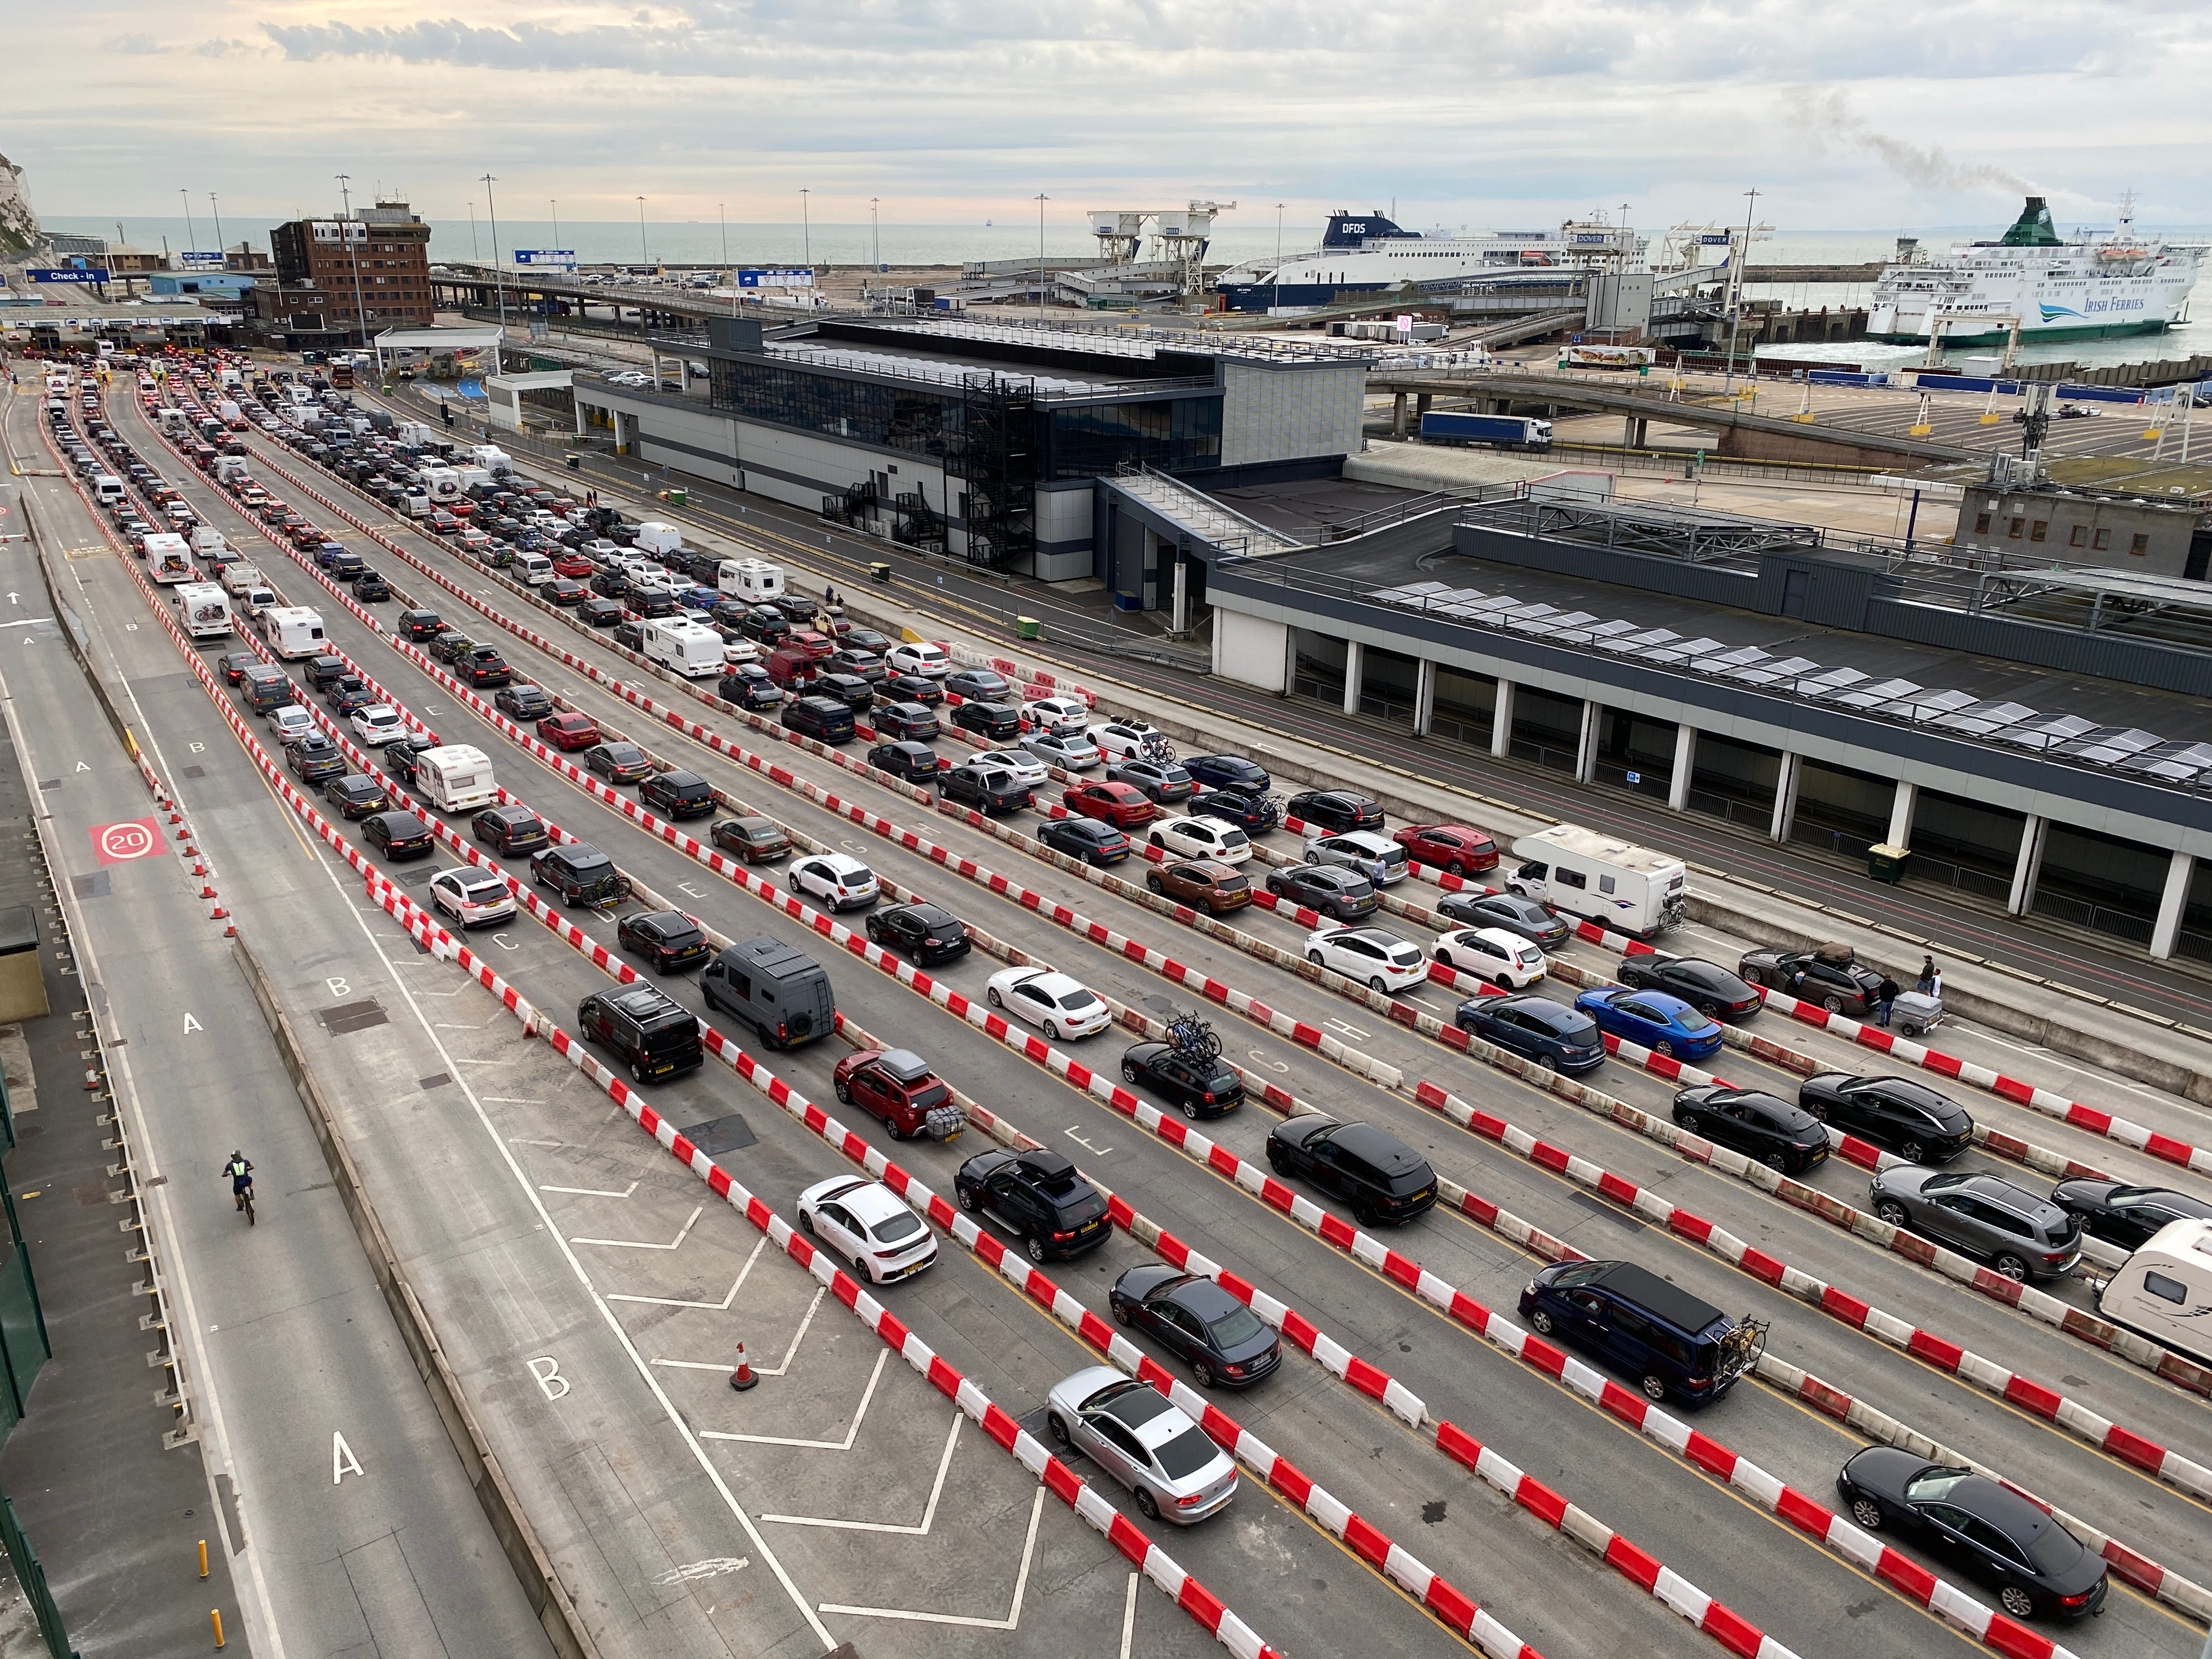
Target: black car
x,y
678,795
748,686
924,932
618,763
579,872
1910,1118
1331,888
654,1034
630,635
977,684
1037,1195
755,840
565,591
1223,1341
1255,814
1163,783
1086,839
611,583
511,830
234,664
398,834
823,718
348,692
850,659
913,688
1829,976
1198,1088
1757,1124
987,788
483,665
1336,809
346,566
1376,1174
2038,1566
767,627
313,757
653,603
995,722
668,939
524,700
2124,1215
401,753
326,671
1516,915
419,627
1705,985
850,690
451,647
600,612
371,588
1229,772
1557,1037
356,796
917,762
905,720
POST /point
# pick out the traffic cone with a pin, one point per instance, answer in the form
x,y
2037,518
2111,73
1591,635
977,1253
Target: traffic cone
x,y
743,1378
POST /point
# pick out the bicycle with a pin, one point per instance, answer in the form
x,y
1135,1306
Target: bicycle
x,y
245,1203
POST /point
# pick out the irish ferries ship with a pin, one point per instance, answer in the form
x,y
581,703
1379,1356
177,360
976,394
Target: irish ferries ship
x,y
2123,283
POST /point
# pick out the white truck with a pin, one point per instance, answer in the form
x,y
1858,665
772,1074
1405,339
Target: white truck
x,y
1605,880
683,647
655,538
169,558
204,609
293,631
754,581
456,778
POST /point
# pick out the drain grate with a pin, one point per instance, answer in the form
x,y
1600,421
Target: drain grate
x,y
195,771
49,783
436,1080
721,1134
348,1017
91,886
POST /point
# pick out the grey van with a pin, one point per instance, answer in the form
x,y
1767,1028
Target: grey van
x,y
782,993
265,688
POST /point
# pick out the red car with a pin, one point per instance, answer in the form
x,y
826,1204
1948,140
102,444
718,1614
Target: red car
x,y
896,1085
813,644
575,566
1459,848
1122,805
569,731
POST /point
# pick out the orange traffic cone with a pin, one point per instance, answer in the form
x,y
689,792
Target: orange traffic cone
x,y
743,1378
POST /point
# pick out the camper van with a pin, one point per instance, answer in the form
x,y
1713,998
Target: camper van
x,y
655,538
752,581
175,423
293,631
492,458
690,648
106,488
443,484
456,778
2164,1290
1579,872
241,579
169,557
207,541
229,468
204,609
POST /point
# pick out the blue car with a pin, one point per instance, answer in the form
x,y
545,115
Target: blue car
x,y
700,599
1255,814
1557,1037
1664,1024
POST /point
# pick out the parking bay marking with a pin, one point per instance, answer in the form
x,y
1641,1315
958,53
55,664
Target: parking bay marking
x,y
928,1513
846,1444
1013,1619
683,1233
723,1306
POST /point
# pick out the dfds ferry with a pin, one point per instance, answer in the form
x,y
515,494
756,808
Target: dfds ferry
x,y
1365,254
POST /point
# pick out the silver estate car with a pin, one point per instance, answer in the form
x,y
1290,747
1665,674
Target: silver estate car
x,y
2020,1235
1134,1433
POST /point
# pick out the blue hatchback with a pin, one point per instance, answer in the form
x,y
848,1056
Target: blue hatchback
x,y
1665,1025
1557,1037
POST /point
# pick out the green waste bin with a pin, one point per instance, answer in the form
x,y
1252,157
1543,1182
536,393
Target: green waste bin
x,y
1029,628
879,571
575,463
1886,863
677,498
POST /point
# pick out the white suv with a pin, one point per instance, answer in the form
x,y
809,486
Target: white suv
x,y
1201,838
1382,961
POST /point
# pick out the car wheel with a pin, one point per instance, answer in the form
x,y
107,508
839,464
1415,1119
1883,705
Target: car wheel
x,y
1774,1162
1654,1389
1458,868
1541,1322
636,1073
1155,840
966,1200
1866,1513
1119,1309
844,1091
1913,1151
2011,1268
1153,882
806,1222
1201,1373
1892,1211
1377,985
1190,1110
1128,1072
1833,1004
2016,1601
991,996
1148,1504
1548,1062
1036,1249
860,1270
1055,1428
1663,1048
1710,1010
1691,1122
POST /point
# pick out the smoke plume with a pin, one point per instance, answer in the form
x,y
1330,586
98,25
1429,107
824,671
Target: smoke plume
x,y
1827,118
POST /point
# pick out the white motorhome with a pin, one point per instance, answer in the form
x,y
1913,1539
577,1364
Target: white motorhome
x,y
175,423
293,631
456,778
169,557
492,458
229,467
756,581
443,484
106,488
2164,1290
204,609
656,538
241,579
1582,873
690,648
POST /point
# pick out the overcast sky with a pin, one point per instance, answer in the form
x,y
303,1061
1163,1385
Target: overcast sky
x,y
1514,111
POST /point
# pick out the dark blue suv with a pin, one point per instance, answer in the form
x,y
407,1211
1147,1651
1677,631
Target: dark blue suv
x,y
1255,814
1676,1346
1557,1037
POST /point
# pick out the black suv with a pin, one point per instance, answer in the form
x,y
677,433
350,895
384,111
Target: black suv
x,y
823,719
678,795
987,788
510,829
314,757
654,1034
996,721
1038,1195
1910,1118
580,873
670,939
1342,893
1377,1176
924,932
1336,811
911,721
917,762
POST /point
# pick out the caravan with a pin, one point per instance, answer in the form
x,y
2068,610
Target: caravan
x,y
2164,1290
457,778
204,609
293,631
1578,873
690,648
750,581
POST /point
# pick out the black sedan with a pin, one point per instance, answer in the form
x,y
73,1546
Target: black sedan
x,y
1900,1113
234,664
1705,985
923,933
678,795
398,834
1229,772
905,720
1198,1088
565,591
1757,1124
618,763
1992,1532
370,588
1516,915
1336,809
356,796
670,940
1223,1340
1378,1176
913,688
511,830
1086,839
917,762
599,612
2124,1215
524,700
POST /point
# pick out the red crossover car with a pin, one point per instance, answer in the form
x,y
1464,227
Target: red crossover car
x,y
569,731
574,566
897,1087
1459,848
1122,805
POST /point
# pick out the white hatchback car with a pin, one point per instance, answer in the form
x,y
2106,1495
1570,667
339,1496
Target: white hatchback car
x,y
1201,838
472,897
1501,957
1029,771
378,724
918,657
1121,736
1063,714
1056,1004
863,1223
1380,961
290,721
838,879
1075,753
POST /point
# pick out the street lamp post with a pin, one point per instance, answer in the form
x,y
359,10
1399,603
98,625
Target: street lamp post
x,y
191,235
217,210
498,278
1735,309
1275,299
875,235
555,205
806,231
642,253
1041,199
722,217
346,223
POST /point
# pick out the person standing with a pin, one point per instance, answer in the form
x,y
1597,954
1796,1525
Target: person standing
x,y
1928,978
1886,998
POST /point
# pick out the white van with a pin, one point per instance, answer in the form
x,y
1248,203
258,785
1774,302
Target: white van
x,y
456,778
241,579
655,538
690,648
2164,1290
1582,873
204,609
755,581
207,540
533,568
106,488
293,631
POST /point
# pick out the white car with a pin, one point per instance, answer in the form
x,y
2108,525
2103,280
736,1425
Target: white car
x,y
838,879
918,657
1501,957
1056,1004
1063,714
1029,771
1382,961
377,725
1381,861
735,651
472,897
290,721
1201,838
1076,753
1129,1429
863,1223
1121,736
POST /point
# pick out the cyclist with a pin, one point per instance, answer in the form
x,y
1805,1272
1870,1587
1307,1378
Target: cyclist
x,y
240,1169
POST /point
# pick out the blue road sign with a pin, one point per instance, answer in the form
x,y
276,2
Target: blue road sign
x,y
91,274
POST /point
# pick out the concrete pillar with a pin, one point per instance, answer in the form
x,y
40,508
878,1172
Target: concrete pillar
x,y
1421,402
2167,927
1398,415
1685,761
1425,697
1785,797
2027,866
1355,665
1901,806
1586,744
1501,720
1181,618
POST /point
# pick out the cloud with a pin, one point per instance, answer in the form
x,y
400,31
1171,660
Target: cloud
x,y
137,45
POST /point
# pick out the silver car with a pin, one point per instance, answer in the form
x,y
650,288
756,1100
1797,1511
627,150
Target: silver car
x,y
1381,861
2021,1235
1075,754
1133,1431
